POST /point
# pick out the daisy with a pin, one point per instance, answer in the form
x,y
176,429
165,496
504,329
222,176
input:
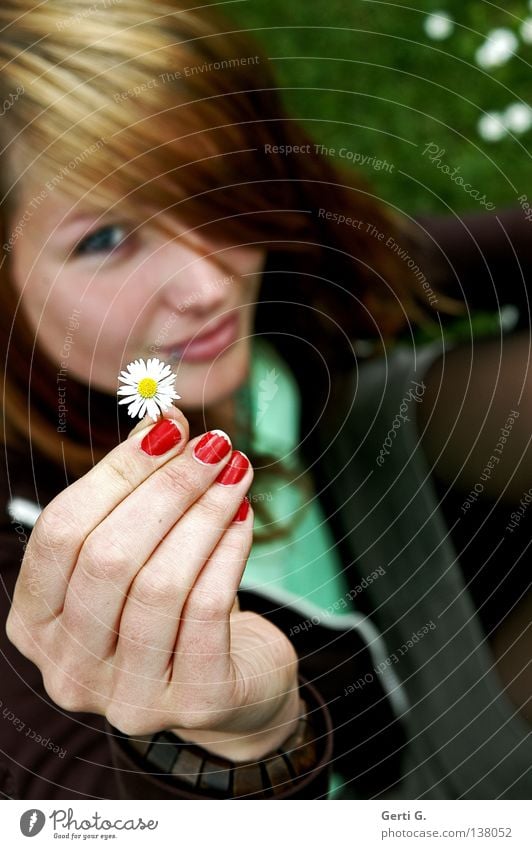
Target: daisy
x,y
517,118
438,25
526,30
491,126
149,387
499,46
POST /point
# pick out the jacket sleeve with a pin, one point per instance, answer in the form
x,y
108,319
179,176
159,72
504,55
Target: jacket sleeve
x,y
45,752
484,258
139,778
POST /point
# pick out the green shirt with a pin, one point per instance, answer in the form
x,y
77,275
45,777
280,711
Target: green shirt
x,y
304,566
302,569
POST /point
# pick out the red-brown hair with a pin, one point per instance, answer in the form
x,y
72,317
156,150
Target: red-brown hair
x,y
172,108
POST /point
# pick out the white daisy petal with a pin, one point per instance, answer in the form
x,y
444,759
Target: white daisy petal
x,y
154,395
143,409
127,399
166,386
138,368
131,410
152,409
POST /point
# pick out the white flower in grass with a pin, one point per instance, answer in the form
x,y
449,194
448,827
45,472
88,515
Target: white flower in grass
x,y
518,118
148,388
526,30
438,25
491,127
500,45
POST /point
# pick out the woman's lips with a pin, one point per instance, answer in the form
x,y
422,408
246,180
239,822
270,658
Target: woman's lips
x,y
208,345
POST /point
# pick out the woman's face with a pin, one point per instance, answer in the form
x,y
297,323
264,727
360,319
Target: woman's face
x,y
99,294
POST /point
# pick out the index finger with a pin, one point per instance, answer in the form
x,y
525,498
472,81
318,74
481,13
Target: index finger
x,y
69,518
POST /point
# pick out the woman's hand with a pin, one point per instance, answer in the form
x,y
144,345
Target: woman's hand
x,y
126,600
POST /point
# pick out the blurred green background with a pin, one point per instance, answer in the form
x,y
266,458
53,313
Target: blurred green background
x,y
365,75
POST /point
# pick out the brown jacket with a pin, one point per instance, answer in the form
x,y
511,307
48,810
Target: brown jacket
x,y
48,753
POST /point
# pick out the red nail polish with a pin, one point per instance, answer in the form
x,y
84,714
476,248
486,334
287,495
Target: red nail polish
x,y
163,436
235,469
243,510
212,447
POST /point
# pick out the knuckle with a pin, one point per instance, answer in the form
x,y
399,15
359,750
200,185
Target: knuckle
x,y
129,721
154,589
209,606
14,631
103,560
11,628
194,721
65,690
180,477
119,718
214,510
138,638
235,547
121,469
55,531
32,577
195,716
22,635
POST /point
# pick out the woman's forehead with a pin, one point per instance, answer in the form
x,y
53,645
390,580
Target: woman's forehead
x,y
47,213
46,209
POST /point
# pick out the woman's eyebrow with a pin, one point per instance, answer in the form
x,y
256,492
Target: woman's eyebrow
x,y
77,224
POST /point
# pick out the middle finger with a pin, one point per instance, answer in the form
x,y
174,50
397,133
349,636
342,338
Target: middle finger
x,y
154,607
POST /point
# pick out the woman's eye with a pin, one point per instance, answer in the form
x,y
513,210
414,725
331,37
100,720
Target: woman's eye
x,y
103,240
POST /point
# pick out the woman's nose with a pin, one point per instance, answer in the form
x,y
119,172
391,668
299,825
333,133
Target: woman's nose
x,y
199,286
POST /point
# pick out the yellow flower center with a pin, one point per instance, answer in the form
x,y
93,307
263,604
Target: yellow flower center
x,y
147,387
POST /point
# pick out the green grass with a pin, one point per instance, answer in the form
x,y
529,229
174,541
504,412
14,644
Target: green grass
x,y
362,74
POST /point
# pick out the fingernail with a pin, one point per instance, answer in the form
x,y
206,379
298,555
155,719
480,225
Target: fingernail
x,y
235,469
163,436
243,510
212,447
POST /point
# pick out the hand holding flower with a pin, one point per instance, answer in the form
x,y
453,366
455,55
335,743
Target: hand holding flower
x,y
134,615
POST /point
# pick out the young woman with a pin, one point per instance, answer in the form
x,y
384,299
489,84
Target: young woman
x,y
158,202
